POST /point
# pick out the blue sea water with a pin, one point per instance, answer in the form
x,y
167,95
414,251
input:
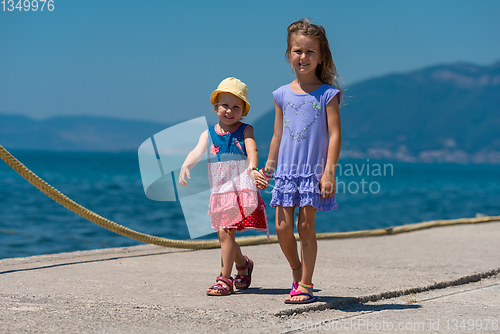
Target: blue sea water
x,y
370,193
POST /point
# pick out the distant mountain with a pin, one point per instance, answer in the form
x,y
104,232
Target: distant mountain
x,y
446,113
80,133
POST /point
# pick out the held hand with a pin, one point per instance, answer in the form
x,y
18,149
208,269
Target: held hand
x,y
261,182
327,186
182,176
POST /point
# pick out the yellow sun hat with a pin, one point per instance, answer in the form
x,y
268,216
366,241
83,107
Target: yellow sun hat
x,y
235,87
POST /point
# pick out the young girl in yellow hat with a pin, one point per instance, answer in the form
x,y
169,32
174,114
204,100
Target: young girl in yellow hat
x,y
235,202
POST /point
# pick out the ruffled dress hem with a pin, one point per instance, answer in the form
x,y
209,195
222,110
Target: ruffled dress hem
x,y
242,210
299,190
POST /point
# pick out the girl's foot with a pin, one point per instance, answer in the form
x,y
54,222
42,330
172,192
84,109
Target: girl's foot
x,y
295,285
297,275
244,277
302,288
302,295
243,272
222,287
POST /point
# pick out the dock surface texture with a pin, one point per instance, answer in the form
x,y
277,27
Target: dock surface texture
x,y
443,279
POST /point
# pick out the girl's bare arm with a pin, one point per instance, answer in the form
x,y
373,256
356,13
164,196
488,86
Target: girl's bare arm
x,y
327,183
251,147
193,158
253,158
272,158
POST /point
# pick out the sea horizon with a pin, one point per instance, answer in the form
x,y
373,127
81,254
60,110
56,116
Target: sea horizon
x,y
110,185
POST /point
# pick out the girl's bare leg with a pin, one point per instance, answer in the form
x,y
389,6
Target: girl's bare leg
x,y
240,260
284,230
309,247
228,249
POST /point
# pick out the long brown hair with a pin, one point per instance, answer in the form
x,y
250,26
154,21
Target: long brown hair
x,y
326,71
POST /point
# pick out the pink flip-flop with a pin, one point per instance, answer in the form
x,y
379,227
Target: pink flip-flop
x,y
311,299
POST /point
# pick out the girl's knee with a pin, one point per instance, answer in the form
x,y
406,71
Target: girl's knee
x,y
284,227
226,235
306,229
305,225
307,217
284,220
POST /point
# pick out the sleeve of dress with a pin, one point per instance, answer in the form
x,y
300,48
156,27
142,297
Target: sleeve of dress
x,y
330,93
278,96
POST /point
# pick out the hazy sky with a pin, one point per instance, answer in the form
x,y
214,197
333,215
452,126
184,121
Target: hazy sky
x,y
160,60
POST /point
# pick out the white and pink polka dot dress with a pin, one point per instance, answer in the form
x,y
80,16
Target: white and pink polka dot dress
x,y
235,201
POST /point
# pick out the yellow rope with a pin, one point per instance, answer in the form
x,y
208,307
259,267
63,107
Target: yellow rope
x,y
204,244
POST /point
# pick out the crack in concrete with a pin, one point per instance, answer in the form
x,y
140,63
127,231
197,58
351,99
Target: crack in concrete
x,y
390,294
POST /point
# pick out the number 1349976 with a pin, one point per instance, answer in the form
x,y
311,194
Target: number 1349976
x,y
27,5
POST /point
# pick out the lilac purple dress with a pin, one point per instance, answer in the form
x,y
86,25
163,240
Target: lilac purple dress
x,y
303,149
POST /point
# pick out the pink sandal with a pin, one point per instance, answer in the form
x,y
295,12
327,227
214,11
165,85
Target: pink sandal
x,y
242,282
222,289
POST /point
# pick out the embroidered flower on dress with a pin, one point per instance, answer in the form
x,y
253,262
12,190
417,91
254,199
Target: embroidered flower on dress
x,y
237,143
214,149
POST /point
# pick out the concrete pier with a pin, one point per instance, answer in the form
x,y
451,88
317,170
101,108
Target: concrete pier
x,y
449,277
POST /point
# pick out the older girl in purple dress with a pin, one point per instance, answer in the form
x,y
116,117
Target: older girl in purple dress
x,y
304,150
